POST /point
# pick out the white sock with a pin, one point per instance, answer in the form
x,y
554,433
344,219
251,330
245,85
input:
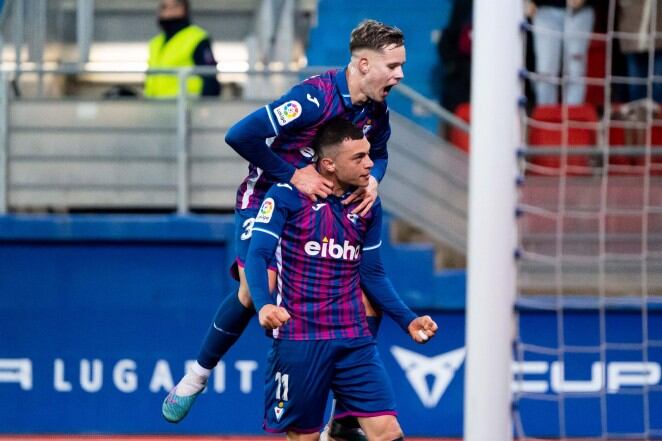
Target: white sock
x,y
194,381
201,371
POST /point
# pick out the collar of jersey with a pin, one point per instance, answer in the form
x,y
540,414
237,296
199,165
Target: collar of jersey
x,y
342,196
343,88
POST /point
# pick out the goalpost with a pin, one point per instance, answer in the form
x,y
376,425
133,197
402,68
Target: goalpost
x,y
564,306
496,59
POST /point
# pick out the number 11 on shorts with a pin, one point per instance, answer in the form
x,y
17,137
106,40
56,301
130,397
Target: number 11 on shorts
x,y
283,383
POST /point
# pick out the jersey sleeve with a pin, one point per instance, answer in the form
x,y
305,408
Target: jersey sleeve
x,y
378,139
374,232
267,228
248,138
374,282
302,106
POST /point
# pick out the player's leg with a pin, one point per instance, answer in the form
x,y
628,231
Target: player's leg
x,y
361,386
348,428
382,428
231,318
297,383
230,321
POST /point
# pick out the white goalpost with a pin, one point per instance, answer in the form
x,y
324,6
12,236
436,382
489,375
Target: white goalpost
x,y
564,305
491,266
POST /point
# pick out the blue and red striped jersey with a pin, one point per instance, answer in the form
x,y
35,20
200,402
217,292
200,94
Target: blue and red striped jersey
x,y
293,120
319,251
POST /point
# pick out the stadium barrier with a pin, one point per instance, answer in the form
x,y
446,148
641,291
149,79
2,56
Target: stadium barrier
x,y
100,314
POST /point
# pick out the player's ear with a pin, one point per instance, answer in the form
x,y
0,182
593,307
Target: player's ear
x,y
328,165
364,65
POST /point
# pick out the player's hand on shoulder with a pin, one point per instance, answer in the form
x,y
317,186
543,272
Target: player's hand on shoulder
x,y
309,182
272,316
422,329
367,195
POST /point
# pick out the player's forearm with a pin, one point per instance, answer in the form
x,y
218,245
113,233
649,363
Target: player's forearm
x,y
380,290
379,168
256,274
248,138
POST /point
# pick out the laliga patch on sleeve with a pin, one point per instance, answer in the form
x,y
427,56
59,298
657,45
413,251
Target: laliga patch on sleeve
x,y
266,210
287,112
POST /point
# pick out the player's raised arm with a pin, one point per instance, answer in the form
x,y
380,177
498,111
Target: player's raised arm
x,y
296,110
248,138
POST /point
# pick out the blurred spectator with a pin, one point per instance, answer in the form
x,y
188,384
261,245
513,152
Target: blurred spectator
x,y
180,44
638,18
455,54
574,19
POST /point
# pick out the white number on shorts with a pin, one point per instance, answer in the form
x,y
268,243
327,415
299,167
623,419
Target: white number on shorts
x,y
283,381
248,228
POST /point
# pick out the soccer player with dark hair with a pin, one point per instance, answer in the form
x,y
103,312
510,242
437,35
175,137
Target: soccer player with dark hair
x,y
277,141
325,253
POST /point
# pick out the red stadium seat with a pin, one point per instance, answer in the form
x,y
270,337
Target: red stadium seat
x,y
457,136
627,133
549,129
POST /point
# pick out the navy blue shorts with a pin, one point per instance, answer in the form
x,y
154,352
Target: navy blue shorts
x,y
243,231
300,375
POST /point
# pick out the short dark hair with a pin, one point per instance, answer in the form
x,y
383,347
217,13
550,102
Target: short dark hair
x,y
333,133
375,35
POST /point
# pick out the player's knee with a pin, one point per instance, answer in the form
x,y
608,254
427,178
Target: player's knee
x,y
391,430
294,436
386,428
393,435
245,296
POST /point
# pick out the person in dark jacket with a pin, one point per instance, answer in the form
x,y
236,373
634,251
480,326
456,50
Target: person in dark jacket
x,y
455,55
640,19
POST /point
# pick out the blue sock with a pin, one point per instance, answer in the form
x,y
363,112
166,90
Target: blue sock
x,y
373,324
229,323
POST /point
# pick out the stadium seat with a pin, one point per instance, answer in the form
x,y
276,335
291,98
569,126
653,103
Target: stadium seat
x,y
457,136
548,129
624,134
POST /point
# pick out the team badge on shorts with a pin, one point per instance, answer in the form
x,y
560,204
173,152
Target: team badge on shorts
x,y
266,210
287,112
278,410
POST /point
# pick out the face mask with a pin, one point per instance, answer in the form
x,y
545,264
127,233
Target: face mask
x,y
172,25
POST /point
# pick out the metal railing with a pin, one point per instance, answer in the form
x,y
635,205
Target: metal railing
x,y
182,103
181,124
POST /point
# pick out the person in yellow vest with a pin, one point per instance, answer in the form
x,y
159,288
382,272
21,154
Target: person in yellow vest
x,y
180,44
